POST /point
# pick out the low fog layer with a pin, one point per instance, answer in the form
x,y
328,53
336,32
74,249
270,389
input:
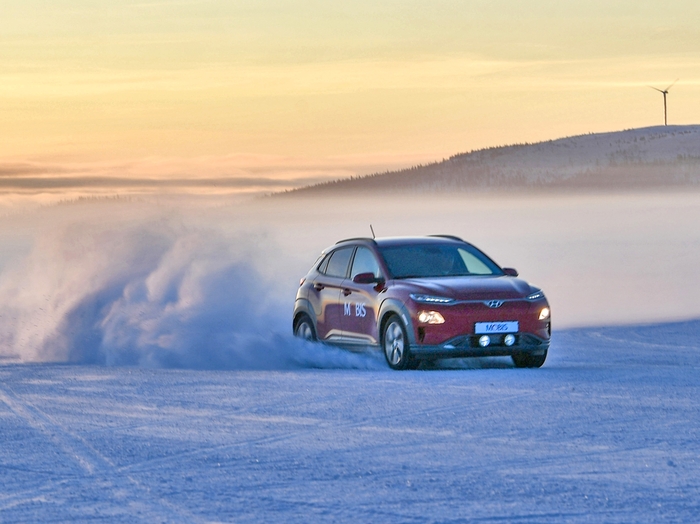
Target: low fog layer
x,y
653,157
183,283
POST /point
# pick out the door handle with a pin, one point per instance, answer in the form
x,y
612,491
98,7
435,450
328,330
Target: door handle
x,y
346,292
318,286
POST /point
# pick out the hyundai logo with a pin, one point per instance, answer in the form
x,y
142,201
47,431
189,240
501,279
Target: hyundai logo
x,y
494,303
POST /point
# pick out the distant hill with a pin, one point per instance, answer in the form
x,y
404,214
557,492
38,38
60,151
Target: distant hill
x,y
662,156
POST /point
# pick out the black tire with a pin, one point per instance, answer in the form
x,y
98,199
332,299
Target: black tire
x,y
304,328
525,360
395,344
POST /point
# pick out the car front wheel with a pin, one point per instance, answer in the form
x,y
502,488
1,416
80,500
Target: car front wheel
x,y
395,344
525,360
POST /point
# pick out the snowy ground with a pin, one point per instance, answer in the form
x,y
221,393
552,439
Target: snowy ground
x,y
606,431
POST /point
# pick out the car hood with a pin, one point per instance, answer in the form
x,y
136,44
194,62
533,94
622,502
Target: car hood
x,y
470,288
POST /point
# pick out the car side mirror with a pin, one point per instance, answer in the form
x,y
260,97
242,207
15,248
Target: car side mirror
x,y
366,278
510,271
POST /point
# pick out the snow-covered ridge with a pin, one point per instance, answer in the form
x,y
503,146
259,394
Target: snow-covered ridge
x,y
646,157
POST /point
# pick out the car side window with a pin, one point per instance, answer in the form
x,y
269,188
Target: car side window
x,y
364,262
338,263
323,266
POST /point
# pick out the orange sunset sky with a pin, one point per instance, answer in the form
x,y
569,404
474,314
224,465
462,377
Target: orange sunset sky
x,y
278,93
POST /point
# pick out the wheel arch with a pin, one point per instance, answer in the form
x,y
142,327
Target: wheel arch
x,y
303,307
395,307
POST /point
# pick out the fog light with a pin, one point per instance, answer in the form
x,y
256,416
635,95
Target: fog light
x,y
430,317
544,314
509,340
484,341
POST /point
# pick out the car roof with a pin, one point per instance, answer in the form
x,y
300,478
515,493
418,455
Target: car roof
x,y
400,241
430,239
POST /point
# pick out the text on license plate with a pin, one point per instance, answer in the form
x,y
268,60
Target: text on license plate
x,y
486,328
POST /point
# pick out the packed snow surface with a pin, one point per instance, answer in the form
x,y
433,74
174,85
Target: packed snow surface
x,y
606,431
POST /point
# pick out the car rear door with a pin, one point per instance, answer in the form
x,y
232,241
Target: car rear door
x,y
325,294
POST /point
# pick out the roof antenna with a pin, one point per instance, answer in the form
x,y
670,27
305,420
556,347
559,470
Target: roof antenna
x,y
372,230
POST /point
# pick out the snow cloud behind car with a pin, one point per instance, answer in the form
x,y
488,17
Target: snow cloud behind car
x,y
150,289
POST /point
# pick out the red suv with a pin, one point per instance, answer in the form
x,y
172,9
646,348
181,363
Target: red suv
x,y
421,298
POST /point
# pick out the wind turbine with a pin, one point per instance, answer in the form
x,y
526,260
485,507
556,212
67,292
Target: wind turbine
x,y
665,92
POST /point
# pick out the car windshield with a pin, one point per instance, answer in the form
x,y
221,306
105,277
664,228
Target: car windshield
x,y
437,260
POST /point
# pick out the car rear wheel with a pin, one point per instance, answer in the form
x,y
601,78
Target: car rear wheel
x,y
395,344
525,360
304,328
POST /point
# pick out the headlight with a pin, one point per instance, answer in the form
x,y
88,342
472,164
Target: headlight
x,y
430,299
430,317
544,314
536,295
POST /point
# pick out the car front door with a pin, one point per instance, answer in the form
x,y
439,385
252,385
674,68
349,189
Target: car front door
x,y
361,301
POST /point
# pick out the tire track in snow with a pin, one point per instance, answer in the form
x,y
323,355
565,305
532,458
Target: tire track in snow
x,y
638,343
29,496
90,461
371,513
149,465
86,457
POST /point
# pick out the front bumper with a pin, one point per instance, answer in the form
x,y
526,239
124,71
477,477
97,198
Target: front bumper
x,y
468,346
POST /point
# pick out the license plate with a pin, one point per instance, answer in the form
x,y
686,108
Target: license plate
x,y
488,328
